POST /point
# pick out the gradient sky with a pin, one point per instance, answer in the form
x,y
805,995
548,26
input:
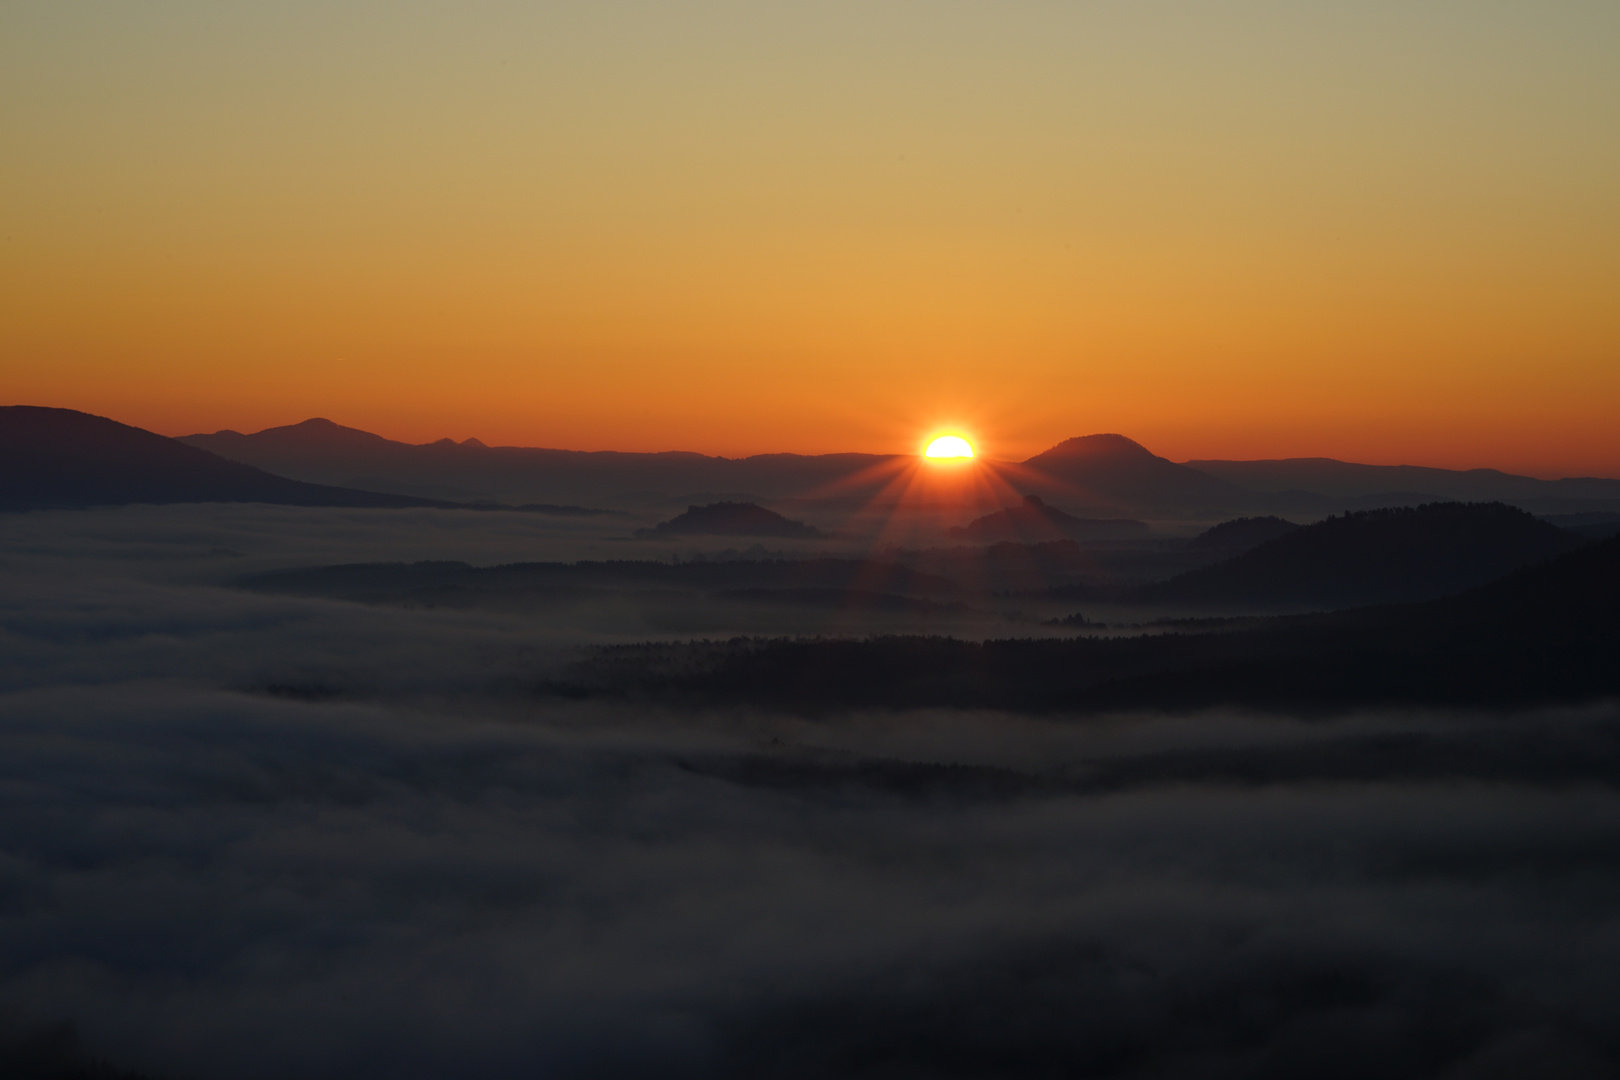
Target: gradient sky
x,y
1378,231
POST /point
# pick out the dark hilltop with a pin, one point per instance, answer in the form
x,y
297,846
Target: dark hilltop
x,y
1545,634
1114,471
1240,534
64,458
1033,521
1371,557
55,458
733,519
1107,475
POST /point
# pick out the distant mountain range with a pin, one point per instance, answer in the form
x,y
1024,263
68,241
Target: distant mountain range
x,y
319,450
63,458
59,457
1343,480
1092,474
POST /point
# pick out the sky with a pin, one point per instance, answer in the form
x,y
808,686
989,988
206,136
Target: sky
x,y
1386,232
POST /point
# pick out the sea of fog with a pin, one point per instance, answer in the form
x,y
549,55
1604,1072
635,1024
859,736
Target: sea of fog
x,y
251,836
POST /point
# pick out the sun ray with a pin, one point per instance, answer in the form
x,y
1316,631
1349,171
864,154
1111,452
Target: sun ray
x,y
909,502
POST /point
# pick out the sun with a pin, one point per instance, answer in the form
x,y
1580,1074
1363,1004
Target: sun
x,y
949,446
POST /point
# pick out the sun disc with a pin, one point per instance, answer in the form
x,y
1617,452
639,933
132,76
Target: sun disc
x,y
949,446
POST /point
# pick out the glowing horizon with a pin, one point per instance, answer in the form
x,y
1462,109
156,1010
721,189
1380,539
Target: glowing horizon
x,y
1381,233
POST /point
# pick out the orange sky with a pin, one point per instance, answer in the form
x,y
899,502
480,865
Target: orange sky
x,y
1380,234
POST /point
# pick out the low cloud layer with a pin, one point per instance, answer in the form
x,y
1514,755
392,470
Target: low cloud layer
x,y
427,872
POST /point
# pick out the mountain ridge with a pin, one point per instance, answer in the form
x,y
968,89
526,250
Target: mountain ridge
x,y
1110,470
1394,555
1545,633
474,470
1107,472
53,457
1033,521
1348,479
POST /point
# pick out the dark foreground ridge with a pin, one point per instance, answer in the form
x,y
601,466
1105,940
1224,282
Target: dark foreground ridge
x,y
1545,634
1113,471
1371,557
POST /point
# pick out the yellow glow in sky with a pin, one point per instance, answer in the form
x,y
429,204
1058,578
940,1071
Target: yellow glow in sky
x,y
949,447
1381,231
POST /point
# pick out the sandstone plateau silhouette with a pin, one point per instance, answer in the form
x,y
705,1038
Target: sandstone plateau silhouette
x,y
60,457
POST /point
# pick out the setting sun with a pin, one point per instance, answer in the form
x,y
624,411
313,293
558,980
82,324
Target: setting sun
x,y
949,446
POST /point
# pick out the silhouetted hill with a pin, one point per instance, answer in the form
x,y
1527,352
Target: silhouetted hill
x,y
316,436
732,519
1544,634
1575,596
1372,557
1240,534
1111,470
1105,471
60,457
1348,480
1033,521
1592,526
324,452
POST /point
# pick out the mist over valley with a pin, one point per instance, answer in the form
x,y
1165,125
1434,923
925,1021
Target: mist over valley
x,y
799,787
809,541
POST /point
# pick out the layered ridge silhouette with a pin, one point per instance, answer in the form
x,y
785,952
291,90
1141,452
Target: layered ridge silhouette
x,y
1094,471
1106,472
1544,634
1112,470
1240,534
1371,557
1071,897
1344,479
1033,521
732,519
321,450
63,458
